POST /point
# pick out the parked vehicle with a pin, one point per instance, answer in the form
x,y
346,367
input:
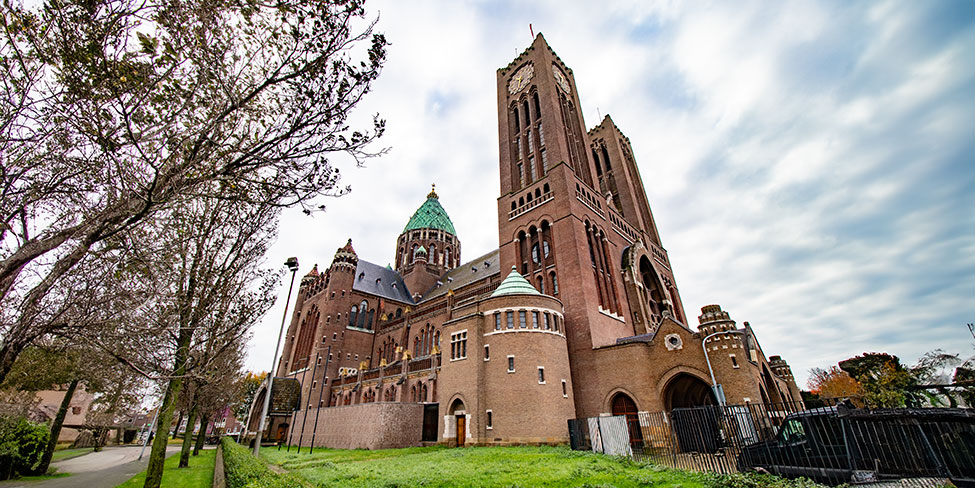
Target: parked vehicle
x,y
842,444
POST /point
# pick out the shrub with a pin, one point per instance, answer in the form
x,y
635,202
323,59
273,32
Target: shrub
x,y
243,470
22,445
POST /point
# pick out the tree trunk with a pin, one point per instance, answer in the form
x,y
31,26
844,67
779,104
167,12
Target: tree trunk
x,y
184,455
56,429
158,454
204,423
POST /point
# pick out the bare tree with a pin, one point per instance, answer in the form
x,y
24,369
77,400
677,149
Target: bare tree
x,y
112,110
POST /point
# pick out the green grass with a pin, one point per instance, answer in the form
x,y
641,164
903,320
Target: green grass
x,y
43,477
63,454
476,466
198,475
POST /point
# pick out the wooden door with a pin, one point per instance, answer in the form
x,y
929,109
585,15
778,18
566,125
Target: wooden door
x,y
461,430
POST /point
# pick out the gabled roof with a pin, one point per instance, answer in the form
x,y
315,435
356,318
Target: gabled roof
x,y
476,269
390,284
430,215
515,284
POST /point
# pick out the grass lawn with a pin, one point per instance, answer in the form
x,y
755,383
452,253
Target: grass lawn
x,y
476,466
198,475
63,454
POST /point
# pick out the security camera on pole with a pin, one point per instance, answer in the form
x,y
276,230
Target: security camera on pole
x,y
292,264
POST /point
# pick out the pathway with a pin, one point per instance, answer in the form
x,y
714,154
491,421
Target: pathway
x,y
105,469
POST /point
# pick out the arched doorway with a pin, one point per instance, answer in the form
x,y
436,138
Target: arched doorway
x,y
687,391
624,405
460,417
692,409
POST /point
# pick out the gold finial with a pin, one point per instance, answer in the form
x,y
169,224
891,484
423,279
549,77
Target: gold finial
x,y
383,363
450,293
433,191
406,355
363,364
435,350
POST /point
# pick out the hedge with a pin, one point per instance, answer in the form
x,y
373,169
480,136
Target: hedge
x,y
22,443
243,470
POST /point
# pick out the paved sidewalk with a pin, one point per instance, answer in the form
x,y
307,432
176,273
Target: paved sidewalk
x,y
105,469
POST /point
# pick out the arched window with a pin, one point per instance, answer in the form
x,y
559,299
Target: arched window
x,y
399,312
538,107
372,313
528,117
540,284
521,202
599,167
416,346
517,121
361,322
446,258
545,249
538,193
555,283
413,253
545,188
436,338
433,254
606,159
352,315
535,257
513,206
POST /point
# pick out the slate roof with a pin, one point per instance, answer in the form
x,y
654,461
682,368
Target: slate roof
x,y
366,274
486,265
430,215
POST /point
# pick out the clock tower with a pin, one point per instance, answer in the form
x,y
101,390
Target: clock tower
x,y
573,216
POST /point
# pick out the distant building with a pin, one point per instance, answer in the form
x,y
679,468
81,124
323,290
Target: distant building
x,y
576,314
49,403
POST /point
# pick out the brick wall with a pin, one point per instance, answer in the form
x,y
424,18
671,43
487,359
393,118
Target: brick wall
x,y
379,425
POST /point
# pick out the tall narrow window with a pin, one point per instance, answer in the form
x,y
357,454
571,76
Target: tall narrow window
x,y
531,168
548,326
545,250
490,419
534,320
517,122
352,315
518,143
555,283
511,364
544,163
531,143
458,345
521,174
538,106
565,390
541,136
541,375
497,321
522,321
511,320
487,352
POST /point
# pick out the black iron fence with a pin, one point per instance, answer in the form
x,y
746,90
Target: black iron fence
x,y
832,445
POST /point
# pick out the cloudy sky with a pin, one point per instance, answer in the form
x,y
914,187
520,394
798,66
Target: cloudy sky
x,y
810,165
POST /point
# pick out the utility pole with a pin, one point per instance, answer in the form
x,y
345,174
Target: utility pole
x,y
292,264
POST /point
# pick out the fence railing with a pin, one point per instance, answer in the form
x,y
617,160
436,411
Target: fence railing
x,y
832,445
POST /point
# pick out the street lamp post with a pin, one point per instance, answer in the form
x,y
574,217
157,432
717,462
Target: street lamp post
x,y
718,391
292,264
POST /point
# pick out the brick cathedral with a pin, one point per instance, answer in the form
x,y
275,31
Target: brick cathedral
x,y
576,314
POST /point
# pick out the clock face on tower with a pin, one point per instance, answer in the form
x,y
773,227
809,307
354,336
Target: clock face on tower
x,y
521,78
560,78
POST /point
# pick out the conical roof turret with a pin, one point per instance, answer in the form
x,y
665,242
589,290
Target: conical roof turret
x,y
431,215
515,284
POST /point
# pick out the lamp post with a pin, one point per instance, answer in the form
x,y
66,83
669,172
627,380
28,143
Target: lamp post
x,y
718,391
292,264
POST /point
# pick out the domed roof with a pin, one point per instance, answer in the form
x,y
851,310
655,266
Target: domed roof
x,y
430,215
515,284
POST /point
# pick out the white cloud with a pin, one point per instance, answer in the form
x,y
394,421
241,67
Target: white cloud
x,y
809,164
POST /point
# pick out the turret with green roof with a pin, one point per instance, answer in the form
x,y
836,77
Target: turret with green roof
x,y
430,215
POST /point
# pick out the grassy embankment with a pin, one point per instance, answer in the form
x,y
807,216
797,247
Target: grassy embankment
x,y
198,475
494,466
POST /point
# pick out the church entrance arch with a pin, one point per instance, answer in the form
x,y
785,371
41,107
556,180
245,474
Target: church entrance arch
x,y
624,405
460,417
687,391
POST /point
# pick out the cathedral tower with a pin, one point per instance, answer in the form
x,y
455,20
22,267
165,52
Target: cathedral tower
x,y
576,230
428,246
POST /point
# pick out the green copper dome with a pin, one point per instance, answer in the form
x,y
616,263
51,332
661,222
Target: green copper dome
x,y
515,284
430,215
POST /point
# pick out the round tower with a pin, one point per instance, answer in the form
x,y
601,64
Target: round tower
x,y
428,246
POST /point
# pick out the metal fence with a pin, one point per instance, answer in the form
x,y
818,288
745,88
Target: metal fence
x,y
832,445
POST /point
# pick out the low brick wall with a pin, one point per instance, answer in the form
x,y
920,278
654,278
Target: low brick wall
x,y
379,425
